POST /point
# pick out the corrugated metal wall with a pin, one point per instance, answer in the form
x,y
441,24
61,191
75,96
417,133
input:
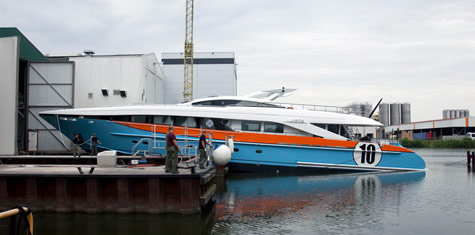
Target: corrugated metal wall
x,y
140,76
50,86
9,59
214,74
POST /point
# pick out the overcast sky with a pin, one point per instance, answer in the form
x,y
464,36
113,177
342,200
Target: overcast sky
x,y
335,52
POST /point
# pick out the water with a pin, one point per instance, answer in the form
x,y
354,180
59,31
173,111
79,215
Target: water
x,y
439,201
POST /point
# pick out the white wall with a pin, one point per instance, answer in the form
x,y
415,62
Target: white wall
x,y
9,59
208,79
139,75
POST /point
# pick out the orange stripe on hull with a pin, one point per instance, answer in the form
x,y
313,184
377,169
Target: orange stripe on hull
x,y
256,137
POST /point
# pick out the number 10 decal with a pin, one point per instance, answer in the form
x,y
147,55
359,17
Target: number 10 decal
x,y
367,154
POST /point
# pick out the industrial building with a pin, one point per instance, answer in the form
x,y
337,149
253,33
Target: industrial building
x,y
32,82
214,74
455,128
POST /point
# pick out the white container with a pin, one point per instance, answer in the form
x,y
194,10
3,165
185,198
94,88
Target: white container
x,y
107,159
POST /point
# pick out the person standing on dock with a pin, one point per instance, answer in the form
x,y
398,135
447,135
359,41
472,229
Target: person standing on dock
x,y
172,152
94,140
202,149
76,148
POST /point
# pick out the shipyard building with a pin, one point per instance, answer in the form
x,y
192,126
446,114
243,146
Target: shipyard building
x,y
32,82
214,74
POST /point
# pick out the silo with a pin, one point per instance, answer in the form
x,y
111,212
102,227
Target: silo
x,y
452,113
384,114
467,113
445,114
405,113
457,113
463,113
395,114
367,108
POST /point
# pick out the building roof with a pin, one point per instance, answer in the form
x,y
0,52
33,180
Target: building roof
x,y
27,50
432,124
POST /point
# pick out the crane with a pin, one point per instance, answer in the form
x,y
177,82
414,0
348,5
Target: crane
x,y
188,54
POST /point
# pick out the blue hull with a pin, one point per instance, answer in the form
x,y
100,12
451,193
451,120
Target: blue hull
x,y
256,156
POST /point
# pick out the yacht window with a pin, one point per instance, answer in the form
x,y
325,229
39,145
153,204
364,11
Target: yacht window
x,y
323,126
122,118
334,128
215,123
162,120
239,103
273,127
185,121
343,131
250,126
202,103
140,118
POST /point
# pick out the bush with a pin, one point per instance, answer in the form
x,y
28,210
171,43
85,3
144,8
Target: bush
x,y
415,143
465,143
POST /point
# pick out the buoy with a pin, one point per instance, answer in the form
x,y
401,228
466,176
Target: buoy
x,y
231,145
222,155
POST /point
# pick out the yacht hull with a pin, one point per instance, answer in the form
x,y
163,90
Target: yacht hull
x,y
252,151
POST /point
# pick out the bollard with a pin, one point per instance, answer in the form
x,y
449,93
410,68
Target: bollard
x,y
469,157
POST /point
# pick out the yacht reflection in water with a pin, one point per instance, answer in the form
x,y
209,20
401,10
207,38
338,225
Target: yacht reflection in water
x,y
247,197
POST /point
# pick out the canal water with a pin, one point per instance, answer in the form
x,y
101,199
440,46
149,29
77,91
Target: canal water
x,y
438,201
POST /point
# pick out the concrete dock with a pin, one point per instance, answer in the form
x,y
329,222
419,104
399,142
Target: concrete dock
x,y
71,160
92,189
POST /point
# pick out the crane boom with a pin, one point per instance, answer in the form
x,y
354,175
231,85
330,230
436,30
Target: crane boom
x,y
188,58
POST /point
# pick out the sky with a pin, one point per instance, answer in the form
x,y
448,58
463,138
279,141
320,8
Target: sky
x,y
334,52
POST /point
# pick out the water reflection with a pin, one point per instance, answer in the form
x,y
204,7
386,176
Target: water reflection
x,y
264,204
80,223
251,203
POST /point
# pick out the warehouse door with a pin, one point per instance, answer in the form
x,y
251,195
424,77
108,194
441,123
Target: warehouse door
x,y
50,86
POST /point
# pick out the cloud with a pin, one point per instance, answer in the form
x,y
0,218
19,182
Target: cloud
x,y
335,52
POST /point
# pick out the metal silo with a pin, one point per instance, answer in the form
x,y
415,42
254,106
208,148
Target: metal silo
x,y
395,114
367,108
445,114
457,113
405,113
452,113
384,114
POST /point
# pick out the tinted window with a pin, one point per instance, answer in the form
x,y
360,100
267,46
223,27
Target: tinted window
x,y
162,120
122,118
250,126
239,103
140,118
323,126
333,128
185,121
273,127
215,123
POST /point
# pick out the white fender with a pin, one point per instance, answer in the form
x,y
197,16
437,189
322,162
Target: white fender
x,y
222,155
231,145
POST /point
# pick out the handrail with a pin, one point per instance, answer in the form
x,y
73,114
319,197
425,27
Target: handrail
x,y
16,211
316,107
137,144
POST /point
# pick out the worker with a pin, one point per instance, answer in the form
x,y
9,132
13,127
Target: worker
x,y
76,148
171,164
94,140
202,149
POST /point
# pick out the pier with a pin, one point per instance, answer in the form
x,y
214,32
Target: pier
x,y
93,189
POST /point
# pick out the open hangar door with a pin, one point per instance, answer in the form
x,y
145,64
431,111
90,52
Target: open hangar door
x,y
50,86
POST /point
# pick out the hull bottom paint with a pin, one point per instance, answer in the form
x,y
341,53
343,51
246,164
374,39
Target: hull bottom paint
x,y
252,151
